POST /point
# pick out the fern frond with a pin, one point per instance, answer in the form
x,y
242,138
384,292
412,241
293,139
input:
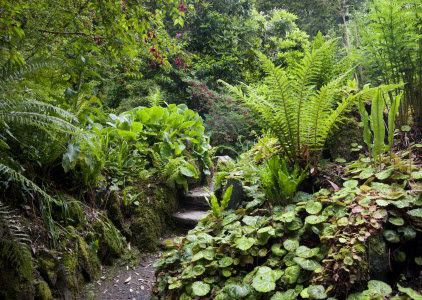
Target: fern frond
x,y
46,200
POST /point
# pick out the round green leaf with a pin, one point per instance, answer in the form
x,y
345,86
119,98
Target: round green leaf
x,y
379,288
384,174
351,184
245,243
415,213
291,274
200,288
290,244
313,207
305,252
396,221
287,295
225,262
317,292
391,236
277,250
307,264
315,219
264,280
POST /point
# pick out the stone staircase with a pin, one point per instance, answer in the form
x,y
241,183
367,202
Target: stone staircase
x,y
193,207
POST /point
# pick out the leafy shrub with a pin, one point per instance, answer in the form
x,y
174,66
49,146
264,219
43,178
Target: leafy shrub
x,y
227,122
314,248
168,141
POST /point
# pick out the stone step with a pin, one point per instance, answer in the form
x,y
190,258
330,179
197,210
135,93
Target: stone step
x,y
188,218
196,198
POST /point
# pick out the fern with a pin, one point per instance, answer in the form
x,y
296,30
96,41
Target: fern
x,y
14,243
17,116
301,103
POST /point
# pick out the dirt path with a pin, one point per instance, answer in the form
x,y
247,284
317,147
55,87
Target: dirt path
x,y
125,282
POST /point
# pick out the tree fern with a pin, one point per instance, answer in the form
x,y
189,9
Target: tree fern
x,y
301,103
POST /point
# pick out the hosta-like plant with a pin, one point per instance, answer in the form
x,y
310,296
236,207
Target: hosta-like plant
x,y
300,104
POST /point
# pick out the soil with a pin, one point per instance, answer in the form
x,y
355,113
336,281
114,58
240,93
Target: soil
x,y
126,282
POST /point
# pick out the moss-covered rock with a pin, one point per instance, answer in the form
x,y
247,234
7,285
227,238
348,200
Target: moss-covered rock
x,y
42,291
110,242
47,265
339,145
151,218
17,270
88,260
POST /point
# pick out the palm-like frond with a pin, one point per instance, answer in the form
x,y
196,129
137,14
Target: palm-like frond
x,y
300,104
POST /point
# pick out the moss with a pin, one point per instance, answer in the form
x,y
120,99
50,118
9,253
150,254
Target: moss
x,y
146,229
42,291
47,265
110,242
347,133
17,270
88,260
152,216
69,271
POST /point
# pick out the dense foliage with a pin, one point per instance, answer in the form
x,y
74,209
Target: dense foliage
x,y
316,246
112,114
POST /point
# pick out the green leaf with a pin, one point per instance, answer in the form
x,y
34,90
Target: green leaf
x,y
351,184
307,264
377,124
391,236
384,174
405,128
277,250
317,292
225,262
415,213
200,288
264,280
245,243
251,221
290,244
409,292
382,202
313,207
305,252
295,224
315,219
365,174
379,288
418,260
287,295
237,291
408,232
291,274
396,221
